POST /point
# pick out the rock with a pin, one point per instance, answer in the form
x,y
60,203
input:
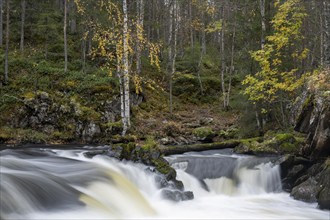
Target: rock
x,y
324,198
167,141
205,121
321,140
115,151
48,129
176,195
306,191
314,121
90,131
204,134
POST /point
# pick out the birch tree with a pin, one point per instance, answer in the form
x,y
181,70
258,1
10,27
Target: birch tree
x,y
126,111
114,42
172,41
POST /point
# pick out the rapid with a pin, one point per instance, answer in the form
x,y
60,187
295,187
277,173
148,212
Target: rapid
x,y
45,183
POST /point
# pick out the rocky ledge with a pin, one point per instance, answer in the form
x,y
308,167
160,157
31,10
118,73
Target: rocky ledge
x,y
172,189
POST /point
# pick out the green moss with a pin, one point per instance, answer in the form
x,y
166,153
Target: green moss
x,y
284,137
22,135
288,147
150,144
5,133
162,166
64,136
203,132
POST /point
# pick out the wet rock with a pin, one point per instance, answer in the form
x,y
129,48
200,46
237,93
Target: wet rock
x,y
306,191
176,195
321,141
324,198
91,131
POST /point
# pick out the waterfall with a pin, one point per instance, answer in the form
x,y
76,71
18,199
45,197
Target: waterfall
x,y
64,184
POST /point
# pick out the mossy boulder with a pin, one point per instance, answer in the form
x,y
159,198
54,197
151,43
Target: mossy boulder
x,y
272,143
229,133
254,146
204,134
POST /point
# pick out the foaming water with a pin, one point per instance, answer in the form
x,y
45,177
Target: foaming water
x,y
64,184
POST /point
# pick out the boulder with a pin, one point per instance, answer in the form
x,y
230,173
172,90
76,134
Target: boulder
x,y
176,195
306,191
90,131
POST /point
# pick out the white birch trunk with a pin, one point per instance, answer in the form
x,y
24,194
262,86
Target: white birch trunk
x,y
223,64
125,71
263,22
175,19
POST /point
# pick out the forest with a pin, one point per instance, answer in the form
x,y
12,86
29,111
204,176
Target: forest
x,y
247,62
199,98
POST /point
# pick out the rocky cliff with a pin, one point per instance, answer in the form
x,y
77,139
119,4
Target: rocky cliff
x,y
306,175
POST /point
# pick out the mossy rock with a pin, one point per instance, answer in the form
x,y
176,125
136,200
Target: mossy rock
x,y
229,133
289,142
203,133
150,144
285,137
254,146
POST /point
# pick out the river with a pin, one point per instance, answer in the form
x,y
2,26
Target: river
x,y
45,183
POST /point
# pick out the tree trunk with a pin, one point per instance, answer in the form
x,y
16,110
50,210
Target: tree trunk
x,y
65,37
139,30
73,20
121,90
223,64
126,121
203,36
180,149
83,53
7,42
232,68
321,42
326,5
23,4
263,22
173,45
259,117
170,52
1,23
191,26
90,41
199,72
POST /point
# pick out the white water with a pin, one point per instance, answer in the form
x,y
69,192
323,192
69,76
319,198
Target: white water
x,y
60,184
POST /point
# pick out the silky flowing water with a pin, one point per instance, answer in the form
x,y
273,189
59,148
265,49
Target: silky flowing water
x,y
64,184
